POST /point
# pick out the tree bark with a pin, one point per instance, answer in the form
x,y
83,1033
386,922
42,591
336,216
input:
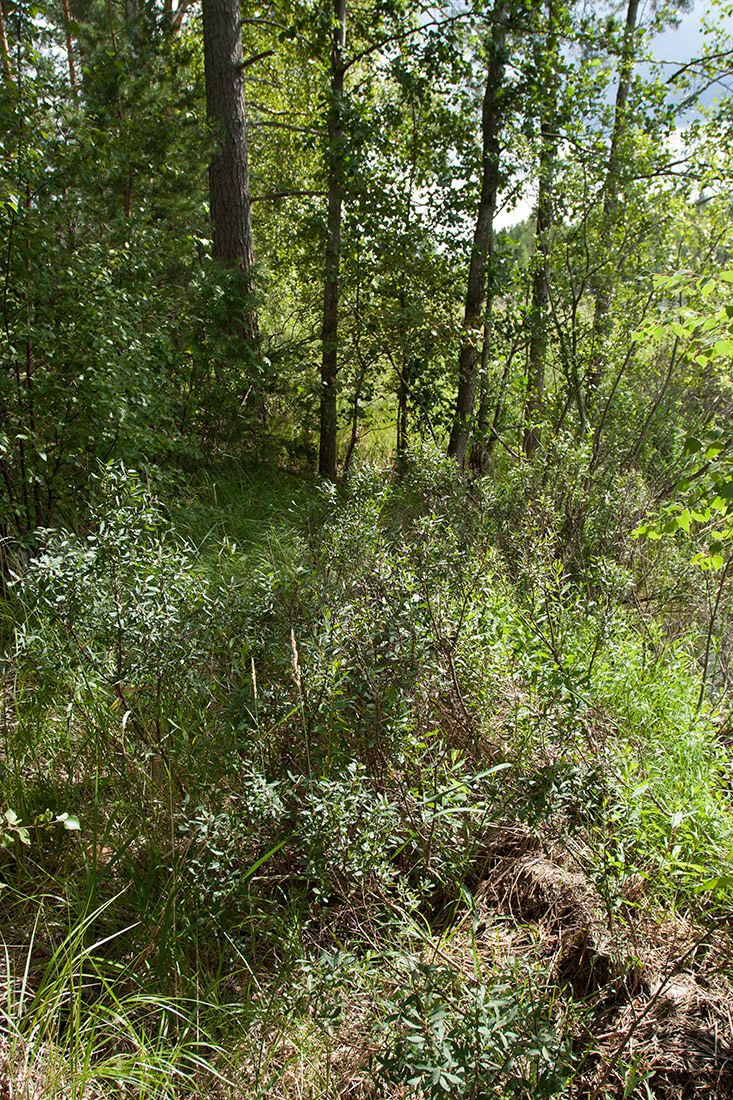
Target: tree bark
x,y
481,251
229,184
547,66
403,431
70,48
481,449
4,49
604,290
335,165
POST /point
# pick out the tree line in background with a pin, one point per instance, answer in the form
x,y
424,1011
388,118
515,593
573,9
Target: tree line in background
x,y
274,229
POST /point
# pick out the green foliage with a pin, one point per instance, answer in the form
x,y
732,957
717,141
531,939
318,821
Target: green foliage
x,y
325,733
13,829
347,833
73,1031
708,496
223,848
703,334
123,603
451,1037
313,741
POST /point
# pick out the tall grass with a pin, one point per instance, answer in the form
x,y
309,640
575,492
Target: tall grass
x,y
76,1026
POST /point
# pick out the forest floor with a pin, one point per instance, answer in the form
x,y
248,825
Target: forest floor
x,y
354,792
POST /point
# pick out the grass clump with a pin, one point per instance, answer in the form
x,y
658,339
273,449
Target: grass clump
x,y
71,1028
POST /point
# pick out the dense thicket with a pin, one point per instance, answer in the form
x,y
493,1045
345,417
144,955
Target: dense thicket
x,y
411,779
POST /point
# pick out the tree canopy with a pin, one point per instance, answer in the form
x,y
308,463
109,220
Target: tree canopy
x,y
366,234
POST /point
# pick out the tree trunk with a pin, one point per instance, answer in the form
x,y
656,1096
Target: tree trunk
x,y
481,450
604,290
70,48
229,186
547,65
403,434
4,49
482,239
335,164
402,422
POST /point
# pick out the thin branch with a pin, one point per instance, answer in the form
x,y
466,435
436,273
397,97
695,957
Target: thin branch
x,y
695,61
401,37
181,10
495,435
253,22
271,195
708,640
255,58
415,396
637,1018
272,124
636,450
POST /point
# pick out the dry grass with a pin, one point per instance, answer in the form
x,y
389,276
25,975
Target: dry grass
x,y
654,984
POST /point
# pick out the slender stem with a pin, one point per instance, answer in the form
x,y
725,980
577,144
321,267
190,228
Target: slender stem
x,y
4,49
708,640
70,48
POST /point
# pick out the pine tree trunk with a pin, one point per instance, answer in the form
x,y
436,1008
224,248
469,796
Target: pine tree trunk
x,y
481,450
70,48
482,239
329,336
229,185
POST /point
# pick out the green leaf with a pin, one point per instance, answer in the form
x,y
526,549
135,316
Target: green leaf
x,y
722,882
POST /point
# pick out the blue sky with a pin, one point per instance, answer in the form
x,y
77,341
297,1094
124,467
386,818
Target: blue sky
x,y
678,45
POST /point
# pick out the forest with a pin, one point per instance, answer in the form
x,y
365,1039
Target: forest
x,y
366,522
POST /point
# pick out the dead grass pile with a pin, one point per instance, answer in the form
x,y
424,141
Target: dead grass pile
x,y
656,1009
640,995
676,1037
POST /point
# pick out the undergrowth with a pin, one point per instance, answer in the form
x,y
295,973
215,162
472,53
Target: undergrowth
x,y
369,803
